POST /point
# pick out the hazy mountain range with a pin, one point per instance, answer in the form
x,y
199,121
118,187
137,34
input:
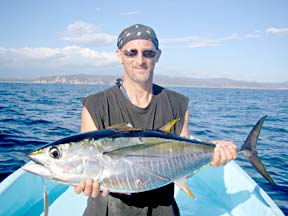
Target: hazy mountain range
x,y
161,80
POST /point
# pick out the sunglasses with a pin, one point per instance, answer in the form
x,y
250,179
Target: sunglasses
x,y
131,53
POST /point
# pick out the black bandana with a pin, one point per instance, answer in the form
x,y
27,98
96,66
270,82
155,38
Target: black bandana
x,y
136,32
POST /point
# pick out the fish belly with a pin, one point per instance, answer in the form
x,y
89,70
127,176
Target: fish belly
x,y
150,172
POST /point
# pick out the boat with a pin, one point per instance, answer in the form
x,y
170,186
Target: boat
x,y
227,190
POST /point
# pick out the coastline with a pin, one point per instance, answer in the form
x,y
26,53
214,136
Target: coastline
x,y
85,79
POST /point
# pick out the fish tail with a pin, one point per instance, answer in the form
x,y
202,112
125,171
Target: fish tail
x,y
250,151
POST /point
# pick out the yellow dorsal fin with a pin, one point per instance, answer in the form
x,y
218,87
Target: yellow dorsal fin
x,y
121,126
168,126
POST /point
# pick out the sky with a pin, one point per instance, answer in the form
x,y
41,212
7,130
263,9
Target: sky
x,y
236,39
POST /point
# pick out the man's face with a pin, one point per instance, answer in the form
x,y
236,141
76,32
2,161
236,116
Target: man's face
x,y
139,58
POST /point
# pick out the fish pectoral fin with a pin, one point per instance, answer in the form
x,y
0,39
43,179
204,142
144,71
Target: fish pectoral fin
x,y
127,150
169,125
182,184
163,178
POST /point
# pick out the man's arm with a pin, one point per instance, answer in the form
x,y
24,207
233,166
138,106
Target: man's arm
x,y
185,128
89,187
87,123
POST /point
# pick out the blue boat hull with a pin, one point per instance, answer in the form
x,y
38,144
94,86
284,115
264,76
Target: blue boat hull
x,y
220,191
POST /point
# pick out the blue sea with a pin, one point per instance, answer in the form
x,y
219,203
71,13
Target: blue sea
x,y
32,115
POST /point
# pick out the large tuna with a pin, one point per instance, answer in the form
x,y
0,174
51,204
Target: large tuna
x,y
129,160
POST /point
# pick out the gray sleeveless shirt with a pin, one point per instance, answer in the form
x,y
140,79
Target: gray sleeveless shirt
x,y
111,107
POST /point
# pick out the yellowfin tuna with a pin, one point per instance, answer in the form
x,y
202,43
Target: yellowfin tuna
x,y
129,160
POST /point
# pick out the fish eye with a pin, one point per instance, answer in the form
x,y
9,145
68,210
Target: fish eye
x,y
54,153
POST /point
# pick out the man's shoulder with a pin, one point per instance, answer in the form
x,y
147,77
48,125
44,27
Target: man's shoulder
x,y
100,96
103,92
169,93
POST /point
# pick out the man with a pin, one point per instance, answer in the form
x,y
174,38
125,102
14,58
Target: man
x,y
138,101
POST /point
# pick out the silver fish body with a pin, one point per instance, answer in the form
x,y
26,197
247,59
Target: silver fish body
x,y
121,160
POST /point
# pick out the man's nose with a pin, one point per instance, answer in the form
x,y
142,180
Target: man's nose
x,y
140,59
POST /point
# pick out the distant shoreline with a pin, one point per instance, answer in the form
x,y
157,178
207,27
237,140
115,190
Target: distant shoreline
x,y
165,85
85,79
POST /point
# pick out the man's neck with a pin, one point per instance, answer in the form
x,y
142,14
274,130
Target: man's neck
x,y
139,94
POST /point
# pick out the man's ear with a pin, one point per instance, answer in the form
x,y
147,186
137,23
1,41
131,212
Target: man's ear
x,y
158,55
119,55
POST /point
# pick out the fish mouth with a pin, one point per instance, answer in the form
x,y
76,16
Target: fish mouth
x,y
37,167
34,159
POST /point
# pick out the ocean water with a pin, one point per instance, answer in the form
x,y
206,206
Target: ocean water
x,y
32,115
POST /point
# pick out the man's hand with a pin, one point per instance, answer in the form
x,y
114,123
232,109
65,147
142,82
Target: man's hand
x,y
90,188
223,153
